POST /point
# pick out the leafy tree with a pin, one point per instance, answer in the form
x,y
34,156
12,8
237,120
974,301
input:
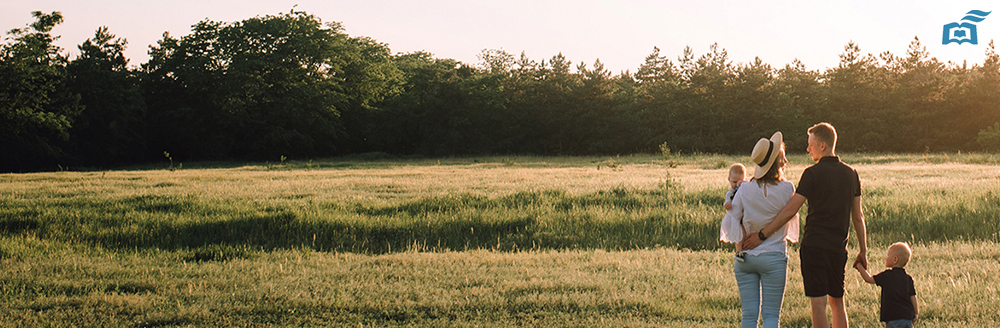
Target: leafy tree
x,y
857,104
556,106
974,100
447,107
702,116
179,89
392,128
497,61
754,107
36,109
371,76
659,84
261,88
656,68
110,129
800,91
600,125
525,100
922,83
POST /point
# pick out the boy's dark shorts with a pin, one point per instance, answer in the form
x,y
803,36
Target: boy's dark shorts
x,y
823,271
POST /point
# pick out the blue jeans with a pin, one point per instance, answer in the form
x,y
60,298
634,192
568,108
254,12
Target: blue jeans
x,y
901,323
761,280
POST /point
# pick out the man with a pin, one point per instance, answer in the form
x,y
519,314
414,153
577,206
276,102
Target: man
x,y
834,193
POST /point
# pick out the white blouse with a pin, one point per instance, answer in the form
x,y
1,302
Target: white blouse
x,y
755,205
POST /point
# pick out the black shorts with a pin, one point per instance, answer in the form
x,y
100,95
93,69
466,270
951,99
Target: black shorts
x,y
823,271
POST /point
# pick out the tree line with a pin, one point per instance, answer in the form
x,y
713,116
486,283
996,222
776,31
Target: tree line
x,y
291,85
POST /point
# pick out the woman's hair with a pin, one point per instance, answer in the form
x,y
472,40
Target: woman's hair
x,y
776,172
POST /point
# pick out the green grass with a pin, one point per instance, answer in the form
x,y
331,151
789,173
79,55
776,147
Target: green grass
x,y
507,241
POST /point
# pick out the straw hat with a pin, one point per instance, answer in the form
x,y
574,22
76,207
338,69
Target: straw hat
x,y
764,153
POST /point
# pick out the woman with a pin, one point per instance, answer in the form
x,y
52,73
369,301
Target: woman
x,y
760,272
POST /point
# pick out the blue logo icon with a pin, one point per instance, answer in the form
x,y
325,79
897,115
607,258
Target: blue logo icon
x,y
966,31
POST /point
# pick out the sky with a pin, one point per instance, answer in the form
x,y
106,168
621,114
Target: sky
x,y
618,33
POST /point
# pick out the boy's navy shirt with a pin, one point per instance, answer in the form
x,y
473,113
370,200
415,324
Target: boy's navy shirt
x,y
830,187
897,287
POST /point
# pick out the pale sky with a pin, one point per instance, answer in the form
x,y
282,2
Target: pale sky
x,y
619,33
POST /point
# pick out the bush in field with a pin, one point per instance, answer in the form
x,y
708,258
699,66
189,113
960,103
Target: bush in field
x,y
989,139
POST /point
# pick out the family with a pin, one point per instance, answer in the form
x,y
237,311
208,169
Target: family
x,y
762,217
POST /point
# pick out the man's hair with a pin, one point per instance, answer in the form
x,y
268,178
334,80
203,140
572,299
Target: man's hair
x,y
825,133
902,251
738,169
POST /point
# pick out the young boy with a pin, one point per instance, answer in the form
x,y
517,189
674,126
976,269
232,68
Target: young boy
x,y
737,175
899,298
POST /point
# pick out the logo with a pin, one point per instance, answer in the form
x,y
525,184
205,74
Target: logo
x,y
966,31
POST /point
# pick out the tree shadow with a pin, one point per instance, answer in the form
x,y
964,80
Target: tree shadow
x,y
522,221
282,229
16,226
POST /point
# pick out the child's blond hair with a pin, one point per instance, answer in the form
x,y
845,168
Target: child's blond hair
x,y
738,168
902,251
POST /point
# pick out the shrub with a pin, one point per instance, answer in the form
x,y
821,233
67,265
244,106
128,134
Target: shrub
x,y
989,139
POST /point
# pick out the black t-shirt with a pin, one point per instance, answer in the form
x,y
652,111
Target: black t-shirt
x,y
897,287
830,187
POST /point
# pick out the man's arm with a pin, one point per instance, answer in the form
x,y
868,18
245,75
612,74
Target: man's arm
x,y
787,213
858,218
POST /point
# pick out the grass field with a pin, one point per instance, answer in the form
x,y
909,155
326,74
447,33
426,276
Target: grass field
x,y
477,242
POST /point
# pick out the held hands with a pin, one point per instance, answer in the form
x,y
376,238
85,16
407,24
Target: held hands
x,y
862,267
861,260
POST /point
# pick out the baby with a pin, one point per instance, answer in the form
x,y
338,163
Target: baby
x,y
737,175
899,297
